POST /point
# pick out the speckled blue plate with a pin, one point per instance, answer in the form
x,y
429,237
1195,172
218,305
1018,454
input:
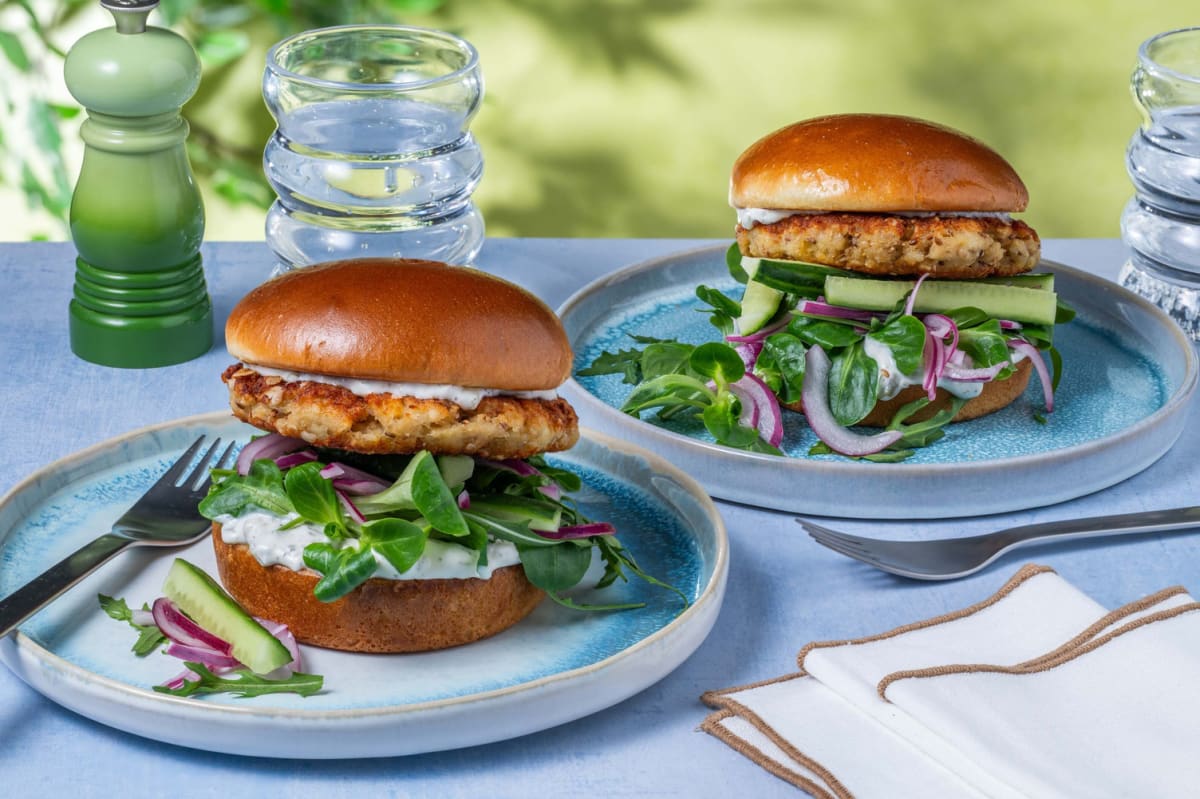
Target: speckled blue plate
x,y
1129,375
554,666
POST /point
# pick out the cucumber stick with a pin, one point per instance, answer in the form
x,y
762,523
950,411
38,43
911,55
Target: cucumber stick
x,y
200,597
759,302
1037,306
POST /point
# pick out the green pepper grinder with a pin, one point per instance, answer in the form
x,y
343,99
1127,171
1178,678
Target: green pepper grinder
x,y
136,216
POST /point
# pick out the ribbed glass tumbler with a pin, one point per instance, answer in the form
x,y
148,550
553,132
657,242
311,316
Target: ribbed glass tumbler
x,y
372,155
1161,224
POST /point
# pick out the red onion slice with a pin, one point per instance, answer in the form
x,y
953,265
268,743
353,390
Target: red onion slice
x,y
295,459
202,655
768,415
749,353
580,531
271,446
142,618
912,297
552,491
1031,352
758,335
353,481
749,413
820,417
285,637
1008,324
464,499
350,507
954,371
182,630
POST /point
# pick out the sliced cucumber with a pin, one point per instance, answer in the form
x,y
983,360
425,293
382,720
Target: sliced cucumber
x,y
1039,280
200,597
456,469
544,516
937,296
794,277
759,302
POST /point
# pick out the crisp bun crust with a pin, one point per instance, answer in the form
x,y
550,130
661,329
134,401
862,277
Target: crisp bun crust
x,y
872,162
380,615
402,320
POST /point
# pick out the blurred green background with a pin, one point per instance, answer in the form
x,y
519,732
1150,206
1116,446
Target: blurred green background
x,y
622,118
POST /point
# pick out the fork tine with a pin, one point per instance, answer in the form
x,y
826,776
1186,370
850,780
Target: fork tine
x,y
200,475
816,530
842,549
848,543
214,463
173,474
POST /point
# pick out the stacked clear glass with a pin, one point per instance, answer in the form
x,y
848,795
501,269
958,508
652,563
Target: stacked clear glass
x,y
1161,224
372,155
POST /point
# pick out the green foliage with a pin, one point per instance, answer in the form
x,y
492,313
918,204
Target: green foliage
x,y
221,32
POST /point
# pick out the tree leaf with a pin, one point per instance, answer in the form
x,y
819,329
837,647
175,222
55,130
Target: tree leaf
x,y
14,51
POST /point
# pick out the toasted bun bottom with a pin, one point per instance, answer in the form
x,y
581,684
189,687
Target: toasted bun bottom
x,y
380,615
995,395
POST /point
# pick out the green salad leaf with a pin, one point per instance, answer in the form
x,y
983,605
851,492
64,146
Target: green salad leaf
x,y
244,683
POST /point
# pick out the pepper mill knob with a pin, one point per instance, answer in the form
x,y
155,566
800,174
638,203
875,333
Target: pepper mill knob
x,y
137,219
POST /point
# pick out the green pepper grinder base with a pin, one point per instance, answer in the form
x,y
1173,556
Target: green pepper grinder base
x,y
137,220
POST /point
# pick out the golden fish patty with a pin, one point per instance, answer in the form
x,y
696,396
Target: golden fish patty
x,y
952,247
326,415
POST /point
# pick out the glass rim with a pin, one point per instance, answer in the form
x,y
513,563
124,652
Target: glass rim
x,y
468,49
1148,62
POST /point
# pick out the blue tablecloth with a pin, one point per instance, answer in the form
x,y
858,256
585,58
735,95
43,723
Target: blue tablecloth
x,y
783,589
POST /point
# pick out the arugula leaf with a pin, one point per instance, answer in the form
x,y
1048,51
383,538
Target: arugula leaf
x,y
722,310
313,496
149,637
514,531
733,260
400,542
781,366
615,555
244,683
853,384
626,362
905,337
261,488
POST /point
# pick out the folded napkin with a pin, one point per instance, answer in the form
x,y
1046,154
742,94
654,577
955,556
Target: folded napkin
x,y
1033,692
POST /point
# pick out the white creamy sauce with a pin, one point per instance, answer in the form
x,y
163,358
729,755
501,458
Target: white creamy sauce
x,y
749,217
892,381
464,397
269,545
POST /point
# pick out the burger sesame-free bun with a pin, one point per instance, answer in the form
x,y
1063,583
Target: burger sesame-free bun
x,y
402,320
873,163
380,615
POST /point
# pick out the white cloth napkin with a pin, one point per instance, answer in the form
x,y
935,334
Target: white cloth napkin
x,y
1020,695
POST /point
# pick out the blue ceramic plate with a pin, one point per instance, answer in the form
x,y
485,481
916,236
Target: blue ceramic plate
x,y
552,667
1129,374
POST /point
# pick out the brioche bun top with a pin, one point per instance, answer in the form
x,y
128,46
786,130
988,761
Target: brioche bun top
x,y
402,320
873,163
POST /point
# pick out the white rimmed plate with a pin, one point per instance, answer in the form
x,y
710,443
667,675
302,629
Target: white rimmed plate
x,y
1130,374
555,666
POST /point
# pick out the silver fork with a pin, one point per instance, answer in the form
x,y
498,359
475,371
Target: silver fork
x,y
165,516
949,558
